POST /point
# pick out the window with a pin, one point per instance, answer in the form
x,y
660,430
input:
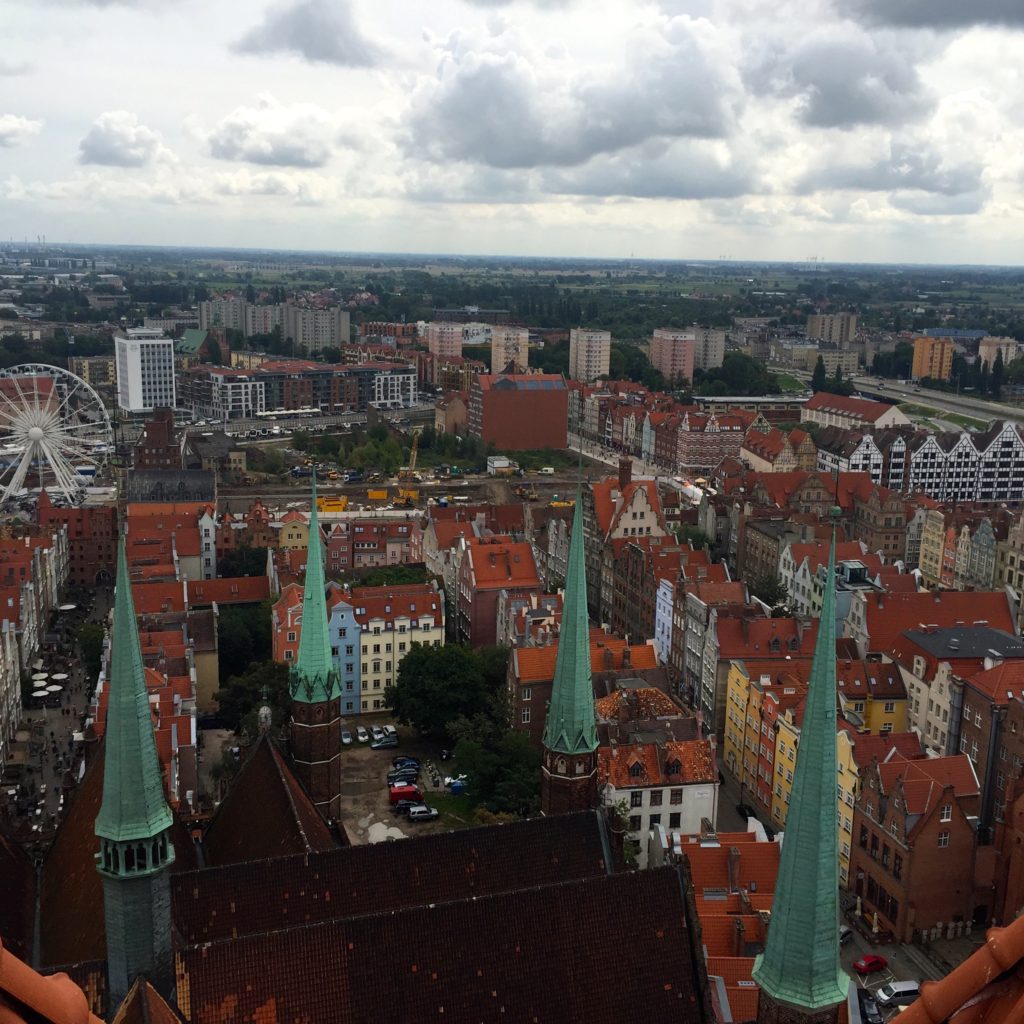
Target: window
x,y
655,820
291,636
943,839
890,706
674,820
288,655
636,769
656,795
524,716
526,693
675,797
946,814
636,799
634,823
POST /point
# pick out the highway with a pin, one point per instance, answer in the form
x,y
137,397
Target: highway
x,y
942,401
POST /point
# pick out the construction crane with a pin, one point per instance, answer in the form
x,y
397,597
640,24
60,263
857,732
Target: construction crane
x,y
407,494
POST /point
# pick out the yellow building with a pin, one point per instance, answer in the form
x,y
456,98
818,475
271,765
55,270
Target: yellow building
x,y
933,357
873,696
294,532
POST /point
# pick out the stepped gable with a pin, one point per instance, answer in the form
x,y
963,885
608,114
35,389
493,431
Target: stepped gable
x,y
521,955
144,1005
257,896
71,926
266,813
17,896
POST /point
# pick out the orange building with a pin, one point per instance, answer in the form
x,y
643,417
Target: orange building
x,y
933,357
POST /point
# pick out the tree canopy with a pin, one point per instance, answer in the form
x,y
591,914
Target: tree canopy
x,y
241,696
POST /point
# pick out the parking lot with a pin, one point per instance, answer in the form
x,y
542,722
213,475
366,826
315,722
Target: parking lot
x,y
365,809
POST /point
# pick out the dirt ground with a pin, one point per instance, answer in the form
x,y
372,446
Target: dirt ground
x,y
365,810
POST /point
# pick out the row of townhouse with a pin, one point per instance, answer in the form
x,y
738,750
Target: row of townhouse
x,y
975,466
33,577
371,631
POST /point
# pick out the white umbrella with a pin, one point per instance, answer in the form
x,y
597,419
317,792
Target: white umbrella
x,y
40,693
60,676
55,688
40,675
68,607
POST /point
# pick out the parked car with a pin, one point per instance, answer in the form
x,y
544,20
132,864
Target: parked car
x,y
404,779
376,732
390,730
362,734
422,813
870,963
898,993
385,743
346,738
869,1011
405,759
845,934
397,793
403,806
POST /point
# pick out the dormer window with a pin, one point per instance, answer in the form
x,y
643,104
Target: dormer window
x,y
636,770
674,768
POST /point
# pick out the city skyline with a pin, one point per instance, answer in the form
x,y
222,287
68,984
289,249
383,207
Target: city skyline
x,y
671,130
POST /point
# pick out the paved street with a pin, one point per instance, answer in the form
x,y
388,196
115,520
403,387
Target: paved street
x,y
46,735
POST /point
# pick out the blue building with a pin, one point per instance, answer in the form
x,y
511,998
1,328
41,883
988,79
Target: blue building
x,y
344,632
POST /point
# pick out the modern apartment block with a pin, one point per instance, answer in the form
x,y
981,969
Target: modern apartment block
x,y
145,370
444,339
672,353
509,345
837,328
933,358
589,354
709,348
311,328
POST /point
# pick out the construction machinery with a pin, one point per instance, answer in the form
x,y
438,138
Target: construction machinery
x,y
407,494
377,494
527,493
333,503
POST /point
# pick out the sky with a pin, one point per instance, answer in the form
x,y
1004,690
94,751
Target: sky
x,y
864,130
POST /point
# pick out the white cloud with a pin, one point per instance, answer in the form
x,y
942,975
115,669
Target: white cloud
x,y
318,30
302,189
16,130
117,139
300,135
497,101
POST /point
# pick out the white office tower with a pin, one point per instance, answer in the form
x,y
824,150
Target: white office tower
x,y
589,354
145,370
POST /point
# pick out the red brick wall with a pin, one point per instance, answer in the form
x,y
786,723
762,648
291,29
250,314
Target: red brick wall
x,y
525,420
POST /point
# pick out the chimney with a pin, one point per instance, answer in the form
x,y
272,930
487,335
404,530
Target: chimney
x,y
609,658
733,865
625,471
627,658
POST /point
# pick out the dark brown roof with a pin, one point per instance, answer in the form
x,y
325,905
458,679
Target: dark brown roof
x,y
542,954
144,1005
17,897
290,891
266,813
71,926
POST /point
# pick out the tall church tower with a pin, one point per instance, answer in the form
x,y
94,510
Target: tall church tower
x,y
569,780
315,689
134,822
799,972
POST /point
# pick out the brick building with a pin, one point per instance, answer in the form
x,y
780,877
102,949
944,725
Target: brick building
x,y
92,539
157,447
914,855
487,567
519,411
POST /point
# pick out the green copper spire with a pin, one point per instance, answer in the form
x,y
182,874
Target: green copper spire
x,y
134,806
314,677
571,727
800,964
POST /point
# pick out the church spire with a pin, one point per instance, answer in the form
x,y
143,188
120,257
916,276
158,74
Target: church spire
x,y
569,774
313,676
134,821
134,805
571,727
799,972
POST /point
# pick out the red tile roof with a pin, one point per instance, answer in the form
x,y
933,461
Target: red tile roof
x,y
497,563
642,702
1001,684
864,409
696,761
889,615
537,664
605,509
987,988
924,779
758,862
230,590
754,638
868,747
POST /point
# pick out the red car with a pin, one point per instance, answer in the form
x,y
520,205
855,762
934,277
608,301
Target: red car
x,y
869,963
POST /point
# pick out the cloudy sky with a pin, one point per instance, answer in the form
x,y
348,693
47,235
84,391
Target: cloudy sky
x,y
876,130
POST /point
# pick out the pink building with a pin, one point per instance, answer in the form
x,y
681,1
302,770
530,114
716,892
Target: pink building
x,y
445,339
672,353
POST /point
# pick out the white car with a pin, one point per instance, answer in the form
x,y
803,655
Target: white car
x,y
346,738
362,735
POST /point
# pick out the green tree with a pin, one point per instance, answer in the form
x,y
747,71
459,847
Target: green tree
x,y
394,576
90,646
818,376
243,637
240,698
437,686
243,561
998,373
503,771
768,588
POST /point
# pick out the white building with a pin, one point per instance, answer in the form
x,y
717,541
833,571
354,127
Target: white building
x,y
589,354
663,603
236,394
144,360
394,388
709,348
509,345
313,330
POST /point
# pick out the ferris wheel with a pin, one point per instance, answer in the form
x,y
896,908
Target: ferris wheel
x,y
54,431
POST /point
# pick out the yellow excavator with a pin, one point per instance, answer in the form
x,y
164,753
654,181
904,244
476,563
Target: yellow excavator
x,y
407,494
